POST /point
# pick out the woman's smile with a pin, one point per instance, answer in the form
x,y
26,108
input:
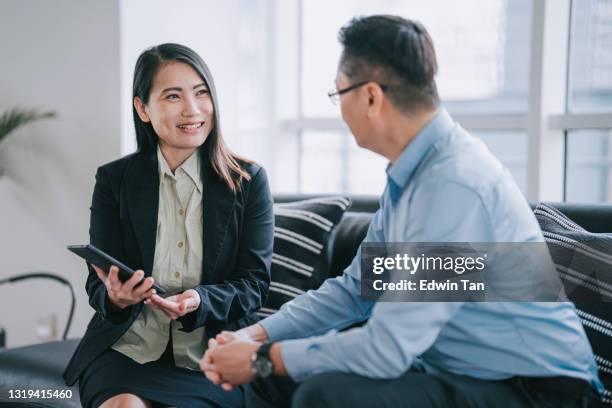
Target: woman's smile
x,y
191,127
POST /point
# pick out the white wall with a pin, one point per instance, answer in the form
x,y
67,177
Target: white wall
x,y
59,55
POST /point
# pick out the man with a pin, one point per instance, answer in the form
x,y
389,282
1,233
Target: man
x,y
443,186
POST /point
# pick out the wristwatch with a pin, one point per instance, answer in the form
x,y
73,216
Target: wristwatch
x,y
261,364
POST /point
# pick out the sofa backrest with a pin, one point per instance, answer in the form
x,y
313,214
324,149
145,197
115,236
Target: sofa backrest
x,y
347,236
352,229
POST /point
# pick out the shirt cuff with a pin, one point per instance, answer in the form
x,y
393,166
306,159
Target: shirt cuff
x,y
297,363
277,326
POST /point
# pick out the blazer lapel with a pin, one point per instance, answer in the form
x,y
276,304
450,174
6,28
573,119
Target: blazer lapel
x,y
142,191
218,206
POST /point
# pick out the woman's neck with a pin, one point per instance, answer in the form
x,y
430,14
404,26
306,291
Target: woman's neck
x,y
175,157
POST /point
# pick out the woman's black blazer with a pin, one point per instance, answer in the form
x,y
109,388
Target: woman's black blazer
x,y
238,237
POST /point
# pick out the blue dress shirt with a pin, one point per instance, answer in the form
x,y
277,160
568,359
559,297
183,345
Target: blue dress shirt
x,y
445,187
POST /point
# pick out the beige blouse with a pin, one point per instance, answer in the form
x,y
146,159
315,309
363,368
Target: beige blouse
x,y
177,266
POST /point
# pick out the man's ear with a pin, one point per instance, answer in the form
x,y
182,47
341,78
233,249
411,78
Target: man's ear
x,y
141,109
375,99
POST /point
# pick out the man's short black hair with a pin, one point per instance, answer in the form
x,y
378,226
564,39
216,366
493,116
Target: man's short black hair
x,y
395,52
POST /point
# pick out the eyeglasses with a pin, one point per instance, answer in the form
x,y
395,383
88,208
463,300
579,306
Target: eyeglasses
x,y
334,95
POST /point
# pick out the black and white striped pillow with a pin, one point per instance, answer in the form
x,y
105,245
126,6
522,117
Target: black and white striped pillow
x,y
584,262
301,234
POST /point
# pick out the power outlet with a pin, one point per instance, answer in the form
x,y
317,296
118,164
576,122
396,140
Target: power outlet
x,y
46,328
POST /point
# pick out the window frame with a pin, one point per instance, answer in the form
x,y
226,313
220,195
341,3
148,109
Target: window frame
x,y
546,122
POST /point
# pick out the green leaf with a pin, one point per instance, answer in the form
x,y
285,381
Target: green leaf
x,y
14,118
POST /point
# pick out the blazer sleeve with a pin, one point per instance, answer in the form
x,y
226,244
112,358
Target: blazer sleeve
x,y
247,289
105,234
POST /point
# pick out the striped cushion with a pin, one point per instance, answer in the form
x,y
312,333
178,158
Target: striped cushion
x,y
301,234
584,261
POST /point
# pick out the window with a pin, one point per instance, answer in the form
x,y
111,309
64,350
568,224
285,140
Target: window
x,y
482,49
486,80
589,134
589,166
591,56
332,162
253,80
483,54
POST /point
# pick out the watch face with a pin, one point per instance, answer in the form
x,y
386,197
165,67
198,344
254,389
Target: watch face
x,y
262,367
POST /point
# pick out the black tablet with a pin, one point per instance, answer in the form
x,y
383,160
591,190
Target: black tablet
x,y
104,261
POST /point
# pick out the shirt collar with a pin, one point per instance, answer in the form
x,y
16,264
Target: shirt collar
x,y
191,167
402,170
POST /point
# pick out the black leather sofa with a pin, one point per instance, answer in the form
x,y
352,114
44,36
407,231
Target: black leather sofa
x,y
40,366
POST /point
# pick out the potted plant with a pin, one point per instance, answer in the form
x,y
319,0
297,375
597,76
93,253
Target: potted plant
x,y
15,117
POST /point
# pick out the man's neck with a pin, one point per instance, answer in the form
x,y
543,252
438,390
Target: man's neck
x,y
403,131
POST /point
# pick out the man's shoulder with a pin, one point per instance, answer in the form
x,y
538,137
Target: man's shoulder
x,y
465,171
464,160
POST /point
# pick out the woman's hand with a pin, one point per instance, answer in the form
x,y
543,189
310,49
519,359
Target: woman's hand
x,y
177,305
125,294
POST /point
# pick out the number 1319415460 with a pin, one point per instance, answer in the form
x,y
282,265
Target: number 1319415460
x,y
39,394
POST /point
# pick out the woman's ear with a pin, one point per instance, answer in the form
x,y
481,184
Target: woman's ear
x,y
141,109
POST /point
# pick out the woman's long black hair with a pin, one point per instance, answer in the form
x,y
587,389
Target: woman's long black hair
x,y
213,151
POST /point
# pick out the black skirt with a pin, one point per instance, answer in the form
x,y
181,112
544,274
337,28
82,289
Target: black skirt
x,y
160,382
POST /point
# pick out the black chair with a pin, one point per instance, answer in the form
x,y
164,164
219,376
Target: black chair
x,y
31,368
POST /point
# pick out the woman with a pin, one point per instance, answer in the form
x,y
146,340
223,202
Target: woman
x,y
193,218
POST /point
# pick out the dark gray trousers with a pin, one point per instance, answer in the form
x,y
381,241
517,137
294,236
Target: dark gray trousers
x,y
417,389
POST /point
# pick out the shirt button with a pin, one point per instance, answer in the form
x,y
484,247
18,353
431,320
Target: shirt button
x,y
177,274
180,244
181,211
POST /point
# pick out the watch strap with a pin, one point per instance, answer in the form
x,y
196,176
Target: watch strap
x,y
264,350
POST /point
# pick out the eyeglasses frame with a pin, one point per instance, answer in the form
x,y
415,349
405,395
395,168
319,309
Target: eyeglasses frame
x,y
334,94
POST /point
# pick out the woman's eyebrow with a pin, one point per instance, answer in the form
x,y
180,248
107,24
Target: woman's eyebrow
x,y
179,89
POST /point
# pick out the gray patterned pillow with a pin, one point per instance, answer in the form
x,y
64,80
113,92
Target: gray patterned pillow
x,y
301,234
584,262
